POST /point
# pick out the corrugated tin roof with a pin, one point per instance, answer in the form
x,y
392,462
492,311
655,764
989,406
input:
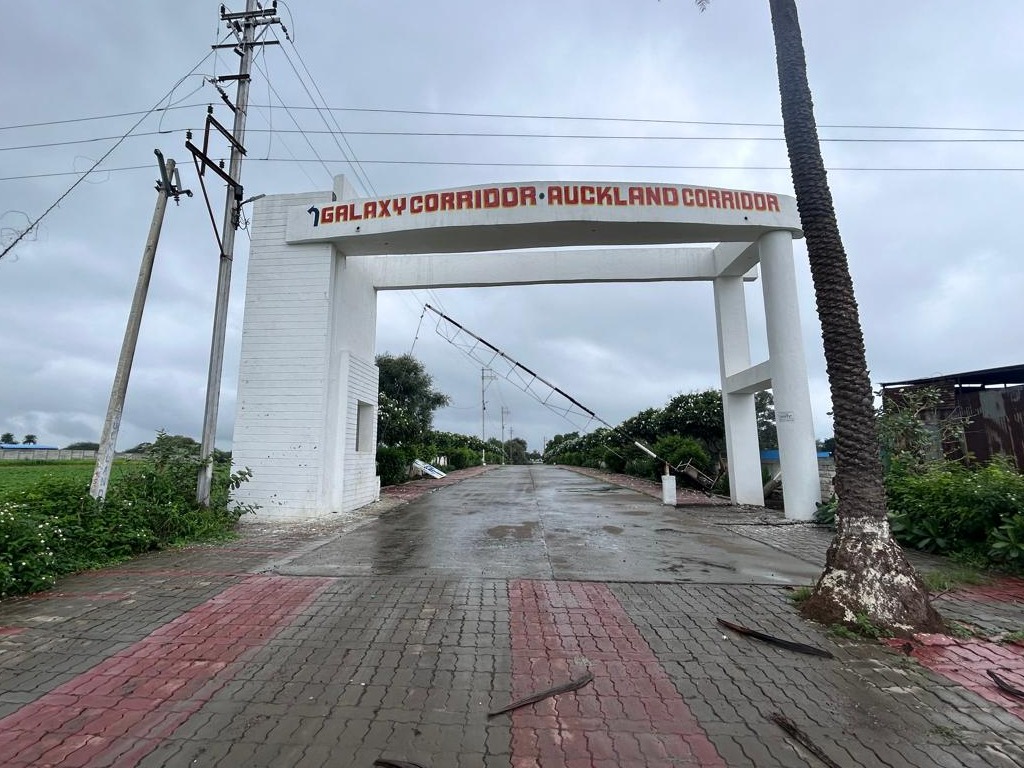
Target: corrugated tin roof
x,y
987,377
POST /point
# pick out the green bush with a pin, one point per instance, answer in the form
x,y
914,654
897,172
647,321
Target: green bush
x,y
393,465
677,450
950,509
643,466
28,545
614,460
460,458
54,526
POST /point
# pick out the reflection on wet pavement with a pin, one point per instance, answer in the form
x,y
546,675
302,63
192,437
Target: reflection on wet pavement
x,y
546,522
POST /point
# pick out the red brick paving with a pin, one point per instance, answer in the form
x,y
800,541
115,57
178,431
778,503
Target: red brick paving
x,y
631,714
117,712
1007,589
967,662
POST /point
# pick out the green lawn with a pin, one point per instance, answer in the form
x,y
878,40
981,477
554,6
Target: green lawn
x,y
18,475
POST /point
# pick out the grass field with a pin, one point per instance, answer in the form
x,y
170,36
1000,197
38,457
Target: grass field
x,y
18,475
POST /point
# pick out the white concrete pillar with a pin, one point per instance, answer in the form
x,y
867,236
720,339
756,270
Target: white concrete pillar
x,y
740,418
797,451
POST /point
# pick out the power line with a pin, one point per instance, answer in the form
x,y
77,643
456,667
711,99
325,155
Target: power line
x,y
657,121
514,116
288,112
105,155
504,135
352,162
830,169
98,117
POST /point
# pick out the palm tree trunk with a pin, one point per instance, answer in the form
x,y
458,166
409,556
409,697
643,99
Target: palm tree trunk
x,y
866,574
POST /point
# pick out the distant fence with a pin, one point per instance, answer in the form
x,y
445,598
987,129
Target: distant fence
x,y
42,454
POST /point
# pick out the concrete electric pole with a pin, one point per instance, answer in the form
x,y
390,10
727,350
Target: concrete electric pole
x,y
486,375
168,186
244,25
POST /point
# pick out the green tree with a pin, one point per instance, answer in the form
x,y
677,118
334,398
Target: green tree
x,y
407,400
698,415
866,575
7,438
29,439
515,451
767,433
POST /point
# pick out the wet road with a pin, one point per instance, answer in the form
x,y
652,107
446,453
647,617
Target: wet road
x,y
548,523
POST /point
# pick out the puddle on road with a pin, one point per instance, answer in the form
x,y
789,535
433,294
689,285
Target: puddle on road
x,y
523,531
611,529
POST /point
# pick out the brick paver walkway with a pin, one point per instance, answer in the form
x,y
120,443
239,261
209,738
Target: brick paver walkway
x,y
206,657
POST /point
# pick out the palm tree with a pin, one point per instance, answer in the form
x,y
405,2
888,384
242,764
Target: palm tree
x,y
866,574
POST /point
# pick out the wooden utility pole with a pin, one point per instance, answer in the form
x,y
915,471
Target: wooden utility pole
x,y
244,25
167,186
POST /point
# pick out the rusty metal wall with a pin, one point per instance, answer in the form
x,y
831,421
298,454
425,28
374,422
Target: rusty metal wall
x,y
997,422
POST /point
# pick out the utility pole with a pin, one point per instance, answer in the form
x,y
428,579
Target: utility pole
x,y
244,25
486,374
168,186
504,413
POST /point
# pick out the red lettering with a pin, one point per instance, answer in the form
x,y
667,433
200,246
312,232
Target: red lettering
x,y
636,195
687,197
727,201
527,195
652,196
588,194
572,195
431,202
604,195
464,199
370,209
760,201
509,197
554,195
401,203
492,198
618,196
416,204
773,203
670,196
352,215
327,215
713,200
383,207
447,201
746,201
700,195
341,212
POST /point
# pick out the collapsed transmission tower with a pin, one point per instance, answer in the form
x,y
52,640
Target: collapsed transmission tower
x,y
490,357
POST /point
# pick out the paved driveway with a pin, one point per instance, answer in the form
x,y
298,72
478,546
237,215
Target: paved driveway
x,y
333,645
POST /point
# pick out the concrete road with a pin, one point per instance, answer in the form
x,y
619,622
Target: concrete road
x,y
550,523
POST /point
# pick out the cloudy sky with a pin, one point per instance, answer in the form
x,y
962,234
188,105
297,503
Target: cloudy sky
x,y
919,104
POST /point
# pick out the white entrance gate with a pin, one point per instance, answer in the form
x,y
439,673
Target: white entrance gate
x,y
307,390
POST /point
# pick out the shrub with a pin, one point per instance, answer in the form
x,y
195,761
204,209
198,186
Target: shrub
x,y
949,509
27,544
54,527
614,460
460,458
393,465
677,450
643,466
